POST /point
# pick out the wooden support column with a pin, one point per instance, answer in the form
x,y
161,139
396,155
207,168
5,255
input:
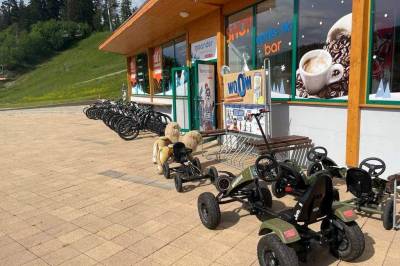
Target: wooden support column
x,y
358,77
149,52
220,63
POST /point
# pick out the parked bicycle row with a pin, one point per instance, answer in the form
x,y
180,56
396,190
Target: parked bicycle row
x,y
128,119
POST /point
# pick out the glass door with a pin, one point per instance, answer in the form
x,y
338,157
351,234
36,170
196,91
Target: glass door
x,y
205,95
181,95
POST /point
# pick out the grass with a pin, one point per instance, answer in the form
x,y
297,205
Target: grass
x,y
72,76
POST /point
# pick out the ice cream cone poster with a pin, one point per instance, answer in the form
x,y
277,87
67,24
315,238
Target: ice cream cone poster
x,y
132,70
245,87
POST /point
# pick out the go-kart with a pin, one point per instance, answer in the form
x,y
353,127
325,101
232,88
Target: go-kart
x,y
250,188
370,190
364,182
247,188
287,237
291,179
189,169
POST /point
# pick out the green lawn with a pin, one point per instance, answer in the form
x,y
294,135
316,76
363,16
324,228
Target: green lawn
x,y
71,76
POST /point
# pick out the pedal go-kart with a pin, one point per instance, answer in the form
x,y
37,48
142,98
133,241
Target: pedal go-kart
x,y
291,179
189,169
250,188
287,237
247,188
364,182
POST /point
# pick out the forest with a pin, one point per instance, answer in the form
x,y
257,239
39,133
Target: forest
x,y
32,31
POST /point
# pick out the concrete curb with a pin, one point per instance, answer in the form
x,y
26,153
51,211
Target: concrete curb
x,y
49,106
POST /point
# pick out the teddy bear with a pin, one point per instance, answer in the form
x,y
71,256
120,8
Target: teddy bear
x,y
162,148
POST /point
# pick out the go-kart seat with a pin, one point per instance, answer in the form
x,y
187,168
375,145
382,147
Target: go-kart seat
x,y
180,152
314,204
287,170
359,182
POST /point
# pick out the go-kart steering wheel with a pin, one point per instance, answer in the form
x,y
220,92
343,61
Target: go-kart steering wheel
x,y
317,154
374,166
266,165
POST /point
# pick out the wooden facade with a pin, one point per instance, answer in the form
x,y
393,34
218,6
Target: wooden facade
x,y
158,21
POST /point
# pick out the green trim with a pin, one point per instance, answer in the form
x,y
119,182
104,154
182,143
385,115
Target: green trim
x,y
319,100
281,99
188,97
371,44
383,102
295,24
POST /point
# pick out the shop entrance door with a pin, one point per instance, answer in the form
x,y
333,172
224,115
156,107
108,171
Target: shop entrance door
x,y
205,95
181,95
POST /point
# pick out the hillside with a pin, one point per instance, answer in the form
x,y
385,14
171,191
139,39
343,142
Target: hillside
x,y
77,74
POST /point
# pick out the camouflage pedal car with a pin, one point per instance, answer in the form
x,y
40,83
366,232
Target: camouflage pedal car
x,y
247,188
288,238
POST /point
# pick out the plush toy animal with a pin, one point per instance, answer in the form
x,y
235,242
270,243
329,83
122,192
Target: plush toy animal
x,y
172,133
162,148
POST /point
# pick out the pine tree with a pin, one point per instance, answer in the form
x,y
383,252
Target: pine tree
x,y
126,10
110,13
79,11
37,11
54,8
98,20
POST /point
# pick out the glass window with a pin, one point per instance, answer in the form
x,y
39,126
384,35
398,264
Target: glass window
x,y
274,41
239,40
168,62
323,53
180,52
157,70
385,61
142,75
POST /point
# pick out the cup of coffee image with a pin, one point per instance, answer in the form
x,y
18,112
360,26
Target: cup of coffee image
x,y
316,70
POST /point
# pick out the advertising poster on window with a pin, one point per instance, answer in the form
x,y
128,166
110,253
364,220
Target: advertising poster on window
x,y
238,118
245,88
206,77
157,67
204,49
324,41
274,28
132,68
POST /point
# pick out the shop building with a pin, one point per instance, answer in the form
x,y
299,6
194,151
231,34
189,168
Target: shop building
x,y
331,66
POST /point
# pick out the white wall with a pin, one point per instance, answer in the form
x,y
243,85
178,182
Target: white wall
x,y
326,126
380,137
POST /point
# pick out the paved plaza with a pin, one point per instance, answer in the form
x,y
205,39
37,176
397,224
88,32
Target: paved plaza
x,y
73,193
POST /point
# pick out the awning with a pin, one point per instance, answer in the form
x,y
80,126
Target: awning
x,y
155,20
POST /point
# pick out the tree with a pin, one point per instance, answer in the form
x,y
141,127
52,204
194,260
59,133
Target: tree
x,y
98,21
126,10
37,11
110,14
54,8
79,11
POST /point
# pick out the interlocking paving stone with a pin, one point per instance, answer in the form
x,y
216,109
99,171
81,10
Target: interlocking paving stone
x,y
51,189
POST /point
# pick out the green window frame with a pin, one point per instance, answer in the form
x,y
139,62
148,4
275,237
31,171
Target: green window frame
x,y
295,35
370,57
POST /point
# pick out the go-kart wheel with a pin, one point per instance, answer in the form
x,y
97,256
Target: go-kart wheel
x,y
271,251
266,166
166,170
209,212
347,243
387,215
313,168
212,172
336,195
178,183
278,189
197,164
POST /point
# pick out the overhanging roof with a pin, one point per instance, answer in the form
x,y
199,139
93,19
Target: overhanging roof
x,y
155,19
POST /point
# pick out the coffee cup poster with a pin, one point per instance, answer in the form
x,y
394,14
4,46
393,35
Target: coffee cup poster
x,y
323,68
